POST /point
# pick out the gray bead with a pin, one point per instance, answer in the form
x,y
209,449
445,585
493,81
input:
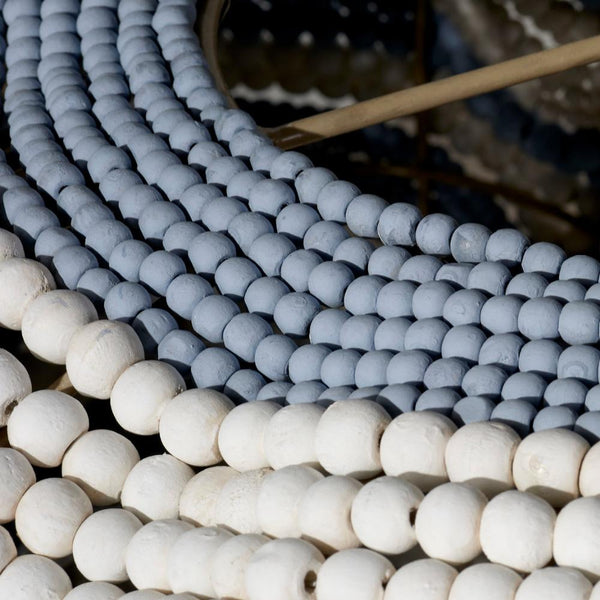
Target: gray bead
x,y
77,134
247,227
295,220
272,356
156,218
433,234
305,362
186,134
135,200
244,385
294,312
288,165
543,258
152,325
426,335
328,281
106,235
175,180
355,253
554,417
275,390
592,398
86,148
395,299
371,369
579,322
472,409
484,380
398,224
468,242
539,318
408,367
593,293
390,333
95,284
526,386
106,159
324,237
179,236
566,392
208,250
398,398
241,184
232,121
220,170
185,292
567,291
500,314
127,257
584,269
217,214
71,263
335,394
305,391
269,251
234,275
326,326
149,93
262,295
243,334
363,213
489,277
579,362
541,357
16,199
262,158
361,295
440,401
179,349
211,315
56,176
118,182
506,246
126,300
527,285
501,350
588,426
159,269
429,299
213,367
244,142
270,196
297,268
310,182
334,198
366,393
338,368
518,414
196,197
464,342
445,373
50,241
154,163
144,144
358,332
420,269
72,119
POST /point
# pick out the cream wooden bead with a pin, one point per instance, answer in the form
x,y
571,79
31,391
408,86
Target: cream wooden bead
x,y
51,319
147,555
190,560
142,392
10,246
242,434
198,501
98,354
354,574
189,426
486,580
324,513
447,522
99,463
95,590
279,497
383,514
236,504
290,435
595,592
426,579
481,454
32,577
143,595
577,536
16,477
516,531
21,280
49,514
8,550
44,424
16,384
554,583
153,487
347,438
413,446
228,573
589,483
100,544
286,568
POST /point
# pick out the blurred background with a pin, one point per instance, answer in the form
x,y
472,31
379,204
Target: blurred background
x,y
528,156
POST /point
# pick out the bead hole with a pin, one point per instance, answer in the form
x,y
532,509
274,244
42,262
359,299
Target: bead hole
x,y
412,516
310,582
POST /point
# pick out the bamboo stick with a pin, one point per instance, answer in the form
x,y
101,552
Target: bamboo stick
x,y
436,93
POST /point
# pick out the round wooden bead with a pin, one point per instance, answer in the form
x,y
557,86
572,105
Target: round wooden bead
x,y
543,258
579,322
481,454
147,554
420,268
580,362
8,550
100,543
32,576
383,514
506,246
141,393
427,579
95,590
355,573
500,314
464,307
516,531
290,435
468,242
588,481
198,500
153,487
363,214
584,269
10,246
541,357
15,384
554,582
16,477
464,342
21,281
347,438
49,514
324,513
44,424
489,277
387,261
501,350
426,335
566,291
99,462
113,345
413,447
429,299
495,582
433,234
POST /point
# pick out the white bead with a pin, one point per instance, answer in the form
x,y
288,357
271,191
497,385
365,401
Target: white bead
x,y
15,384
153,487
229,564
547,463
100,544
347,438
49,514
189,426
98,353
286,568
142,392
51,319
190,560
447,523
290,434
143,595
324,513
44,424
99,462
383,515
413,446
516,531
279,497
354,574
589,483
95,590
198,500
554,583
577,536
481,454
8,550
10,246
595,592
147,554
426,579
16,477
236,504
21,280
30,577
493,582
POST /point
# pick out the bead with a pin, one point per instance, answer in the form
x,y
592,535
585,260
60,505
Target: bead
x,y
584,269
241,184
501,350
43,576
269,251
305,362
10,246
500,314
127,257
489,277
517,413
539,318
16,476
429,298
395,299
390,333
426,335
464,342
363,215
588,426
362,294
211,315
95,590
272,356
468,242
454,273
527,285
543,258
420,268
159,269
408,367
243,334
179,236
270,196
398,398
554,417
234,275
185,292
310,182
208,250
441,400
567,291
428,579
386,261
554,582
371,369
526,386
358,333
540,357
580,362
338,368
566,392
324,237
294,312
355,253
125,300
579,323
244,385
433,233
156,218
263,294
326,326
328,282
464,307
294,220
476,580
152,325
506,246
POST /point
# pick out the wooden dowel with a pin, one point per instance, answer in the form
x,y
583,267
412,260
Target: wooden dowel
x,y
436,93
63,384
